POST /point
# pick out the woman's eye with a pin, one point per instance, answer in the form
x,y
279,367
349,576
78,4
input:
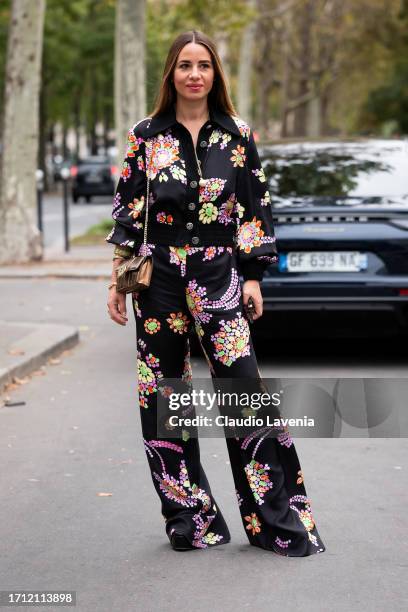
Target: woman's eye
x,y
202,66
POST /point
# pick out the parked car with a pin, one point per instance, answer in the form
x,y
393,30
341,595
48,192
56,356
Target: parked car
x,y
341,222
93,176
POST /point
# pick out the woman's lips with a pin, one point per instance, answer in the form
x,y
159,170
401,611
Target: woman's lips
x,y
194,86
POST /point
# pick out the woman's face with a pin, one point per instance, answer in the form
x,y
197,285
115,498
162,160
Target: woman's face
x,y
193,73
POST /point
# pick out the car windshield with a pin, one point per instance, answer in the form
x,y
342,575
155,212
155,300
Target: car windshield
x,y
370,170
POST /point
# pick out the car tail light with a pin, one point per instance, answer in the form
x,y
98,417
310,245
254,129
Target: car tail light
x,y
114,170
74,170
403,291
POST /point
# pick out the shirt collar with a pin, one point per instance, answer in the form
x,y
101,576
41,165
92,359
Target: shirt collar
x,y
165,120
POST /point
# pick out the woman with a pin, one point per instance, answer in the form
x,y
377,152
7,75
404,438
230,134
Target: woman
x,y
209,220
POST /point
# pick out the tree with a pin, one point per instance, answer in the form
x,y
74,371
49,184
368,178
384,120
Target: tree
x,y
20,239
130,75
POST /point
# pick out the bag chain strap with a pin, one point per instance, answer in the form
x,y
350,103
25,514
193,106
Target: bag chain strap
x,y
147,192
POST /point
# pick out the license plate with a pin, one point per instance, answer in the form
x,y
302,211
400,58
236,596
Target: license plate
x,y
322,261
94,178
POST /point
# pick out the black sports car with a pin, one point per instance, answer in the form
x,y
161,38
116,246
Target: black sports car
x,y
341,222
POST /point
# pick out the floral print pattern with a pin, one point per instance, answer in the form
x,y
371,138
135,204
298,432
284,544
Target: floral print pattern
x,y
152,325
238,158
254,524
249,235
136,207
186,494
258,479
178,322
211,190
231,203
232,340
148,374
274,507
163,218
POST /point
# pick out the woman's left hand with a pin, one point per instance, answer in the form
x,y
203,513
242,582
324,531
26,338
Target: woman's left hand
x,y
251,288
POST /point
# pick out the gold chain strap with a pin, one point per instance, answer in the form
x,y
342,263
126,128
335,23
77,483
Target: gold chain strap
x,y
147,190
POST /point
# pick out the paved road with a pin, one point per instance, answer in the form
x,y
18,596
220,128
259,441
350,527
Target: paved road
x,y
79,434
81,217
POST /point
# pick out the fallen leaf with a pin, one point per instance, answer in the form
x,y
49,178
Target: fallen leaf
x,y
21,381
54,361
16,351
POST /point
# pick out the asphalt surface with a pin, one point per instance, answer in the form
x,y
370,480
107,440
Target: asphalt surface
x,y
78,435
81,216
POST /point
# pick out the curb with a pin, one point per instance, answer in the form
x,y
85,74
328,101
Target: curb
x,y
47,340
91,275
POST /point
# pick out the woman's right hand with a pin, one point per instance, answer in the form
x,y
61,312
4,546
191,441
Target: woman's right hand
x,y
117,306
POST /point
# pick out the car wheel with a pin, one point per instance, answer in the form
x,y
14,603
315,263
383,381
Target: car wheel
x,y
88,199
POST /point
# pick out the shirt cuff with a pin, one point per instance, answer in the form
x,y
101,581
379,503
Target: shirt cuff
x,y
123,251
252,270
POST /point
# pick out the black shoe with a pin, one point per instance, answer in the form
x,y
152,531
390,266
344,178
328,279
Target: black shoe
x,y
179,542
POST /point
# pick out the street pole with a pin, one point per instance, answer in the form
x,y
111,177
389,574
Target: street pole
x,y
39,176
65,174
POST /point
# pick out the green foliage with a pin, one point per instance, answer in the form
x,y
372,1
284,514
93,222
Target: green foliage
x,y
386,108
78,60
369,61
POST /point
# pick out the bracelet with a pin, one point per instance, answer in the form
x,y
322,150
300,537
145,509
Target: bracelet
x,y
112,285
123,251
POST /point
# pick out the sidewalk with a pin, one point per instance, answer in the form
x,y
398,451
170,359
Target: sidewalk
x,y
79,262
26,346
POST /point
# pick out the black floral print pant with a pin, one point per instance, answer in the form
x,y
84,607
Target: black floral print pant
x,y
200,287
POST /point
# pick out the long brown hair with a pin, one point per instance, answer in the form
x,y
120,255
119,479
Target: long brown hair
x,y
218,97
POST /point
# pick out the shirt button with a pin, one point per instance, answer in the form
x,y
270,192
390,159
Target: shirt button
x,y
193,184
189,225
195,240
203,143
191,206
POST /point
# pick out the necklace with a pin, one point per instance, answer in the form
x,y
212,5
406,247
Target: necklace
x,y
202,180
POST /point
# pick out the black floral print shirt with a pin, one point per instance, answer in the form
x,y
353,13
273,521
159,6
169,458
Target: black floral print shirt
x,y
230,205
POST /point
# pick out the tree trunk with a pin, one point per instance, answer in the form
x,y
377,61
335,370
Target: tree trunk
x,y
314,128
221,40
130,71
244,89
286,76
20,239
77,125
301,112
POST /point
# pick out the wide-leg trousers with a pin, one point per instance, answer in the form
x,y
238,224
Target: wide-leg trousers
x,y
199,287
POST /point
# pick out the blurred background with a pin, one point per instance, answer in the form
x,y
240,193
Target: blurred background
x,y
324,85
316,67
